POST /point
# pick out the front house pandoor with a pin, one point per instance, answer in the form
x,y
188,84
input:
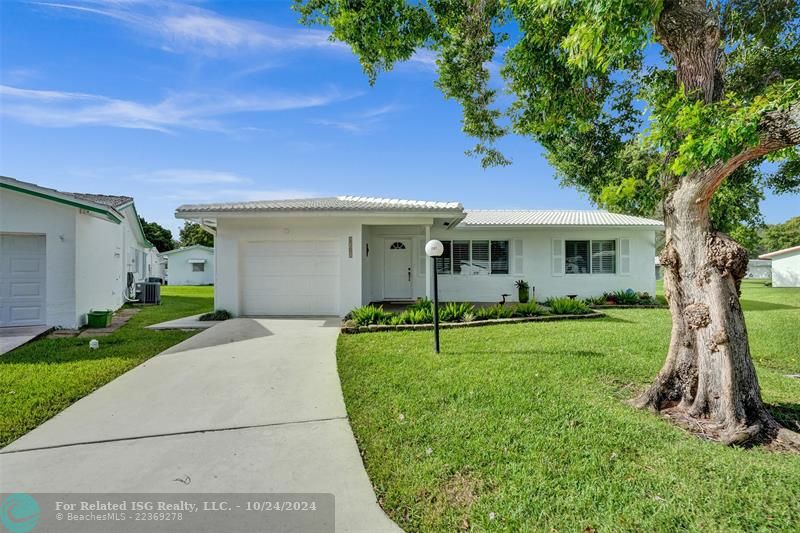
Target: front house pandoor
x,y
397,269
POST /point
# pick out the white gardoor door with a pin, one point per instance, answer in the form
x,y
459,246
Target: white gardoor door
x,y
22,280
290,278
397,269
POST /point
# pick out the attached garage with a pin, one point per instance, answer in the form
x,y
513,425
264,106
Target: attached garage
x,y
22,280
308,257
289,277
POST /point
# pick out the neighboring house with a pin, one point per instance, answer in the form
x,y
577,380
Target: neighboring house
x,y
193,265
156,265
759,269
756,269
63,254
326,256
785,267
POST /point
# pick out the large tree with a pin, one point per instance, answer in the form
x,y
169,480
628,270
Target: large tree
x,y
648,104
160,236
192,233
781,236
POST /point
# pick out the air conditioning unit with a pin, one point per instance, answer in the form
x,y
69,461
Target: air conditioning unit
x,y
148,292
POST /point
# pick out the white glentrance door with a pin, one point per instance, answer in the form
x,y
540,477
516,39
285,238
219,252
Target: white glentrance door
x,y
290,278
397,269
22,280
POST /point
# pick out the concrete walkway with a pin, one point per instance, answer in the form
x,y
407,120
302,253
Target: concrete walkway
x,y
14,337
187,322
251,405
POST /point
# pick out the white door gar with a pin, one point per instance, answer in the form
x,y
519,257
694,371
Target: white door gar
x,y
397,269
289,278
22,280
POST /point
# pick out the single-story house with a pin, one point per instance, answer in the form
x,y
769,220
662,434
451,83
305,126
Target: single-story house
x,y
326,256
759,269
192,265
156,266
756,269
63,254
785,266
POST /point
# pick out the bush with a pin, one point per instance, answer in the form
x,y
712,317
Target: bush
x,y
494,312
482,313
567,306
455,311
501,311
219,314
402,318
370,314
422,313
596,300
422,304
628,297
414,316
528,309
421,316
609,298
646,299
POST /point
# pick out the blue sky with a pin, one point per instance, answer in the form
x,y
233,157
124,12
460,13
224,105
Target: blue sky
x,y
177,103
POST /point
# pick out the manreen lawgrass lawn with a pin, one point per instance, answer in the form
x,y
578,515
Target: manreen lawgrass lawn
x,y
523,427
39,380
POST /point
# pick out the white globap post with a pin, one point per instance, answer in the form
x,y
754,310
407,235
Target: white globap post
x,y
434,249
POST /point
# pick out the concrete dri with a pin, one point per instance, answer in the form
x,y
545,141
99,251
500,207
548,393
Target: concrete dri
x,y
249,405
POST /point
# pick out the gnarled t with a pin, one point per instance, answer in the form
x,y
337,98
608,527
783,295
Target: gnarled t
x,y
708,381
708,374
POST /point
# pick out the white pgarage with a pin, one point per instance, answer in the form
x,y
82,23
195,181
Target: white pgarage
x,y
22,280
289,278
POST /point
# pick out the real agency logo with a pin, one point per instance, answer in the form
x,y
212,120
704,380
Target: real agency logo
x,y
19,512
